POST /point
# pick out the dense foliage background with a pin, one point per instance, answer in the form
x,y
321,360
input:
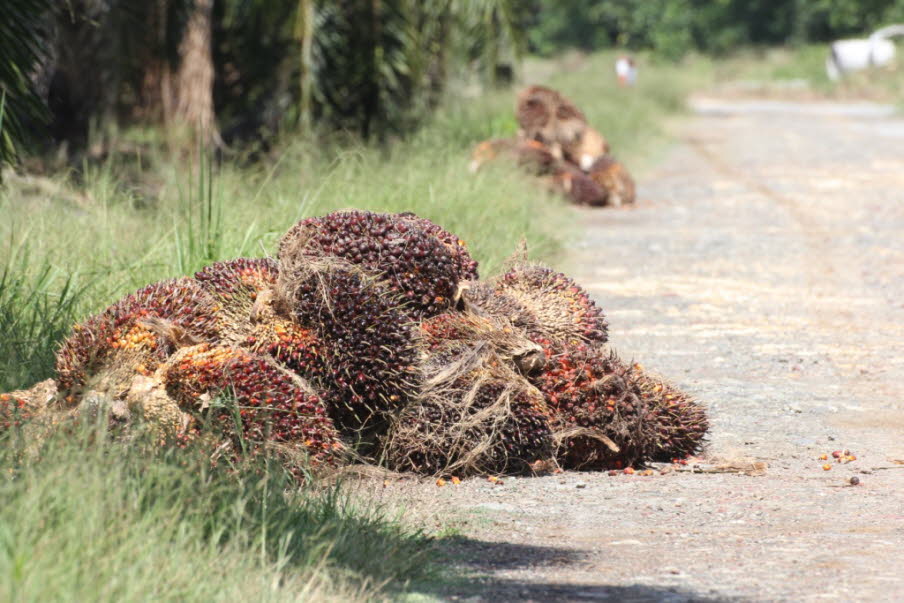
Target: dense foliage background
x,y
75,71
675,27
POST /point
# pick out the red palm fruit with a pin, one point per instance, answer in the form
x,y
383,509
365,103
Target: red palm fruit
x,y
366,340
417,266
251,400
597,410
135,335
678,422
243,290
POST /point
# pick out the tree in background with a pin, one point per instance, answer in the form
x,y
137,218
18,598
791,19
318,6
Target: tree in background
x,y
23,86
248,69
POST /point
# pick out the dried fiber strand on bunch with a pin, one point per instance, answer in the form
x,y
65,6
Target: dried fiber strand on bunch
x,y
249,402
475,416
452,331
417,266
367,340
133,336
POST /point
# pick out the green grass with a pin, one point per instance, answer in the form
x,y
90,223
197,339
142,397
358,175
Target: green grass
x,y
88,522
99,521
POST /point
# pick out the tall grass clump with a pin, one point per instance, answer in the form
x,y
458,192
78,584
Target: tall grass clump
x,y
86,519
38,305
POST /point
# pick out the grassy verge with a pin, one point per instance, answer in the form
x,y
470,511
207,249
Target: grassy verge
x,y
99,523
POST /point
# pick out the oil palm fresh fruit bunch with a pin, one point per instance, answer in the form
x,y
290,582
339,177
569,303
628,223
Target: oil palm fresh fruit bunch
x,y
133,336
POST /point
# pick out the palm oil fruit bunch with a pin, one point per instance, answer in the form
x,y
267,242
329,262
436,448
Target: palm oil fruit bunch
x,y
246,316
14,412
134,335
475,415
250,400
22,406
465,265
598,411
418,266
366,339
545,303
679,423
240,289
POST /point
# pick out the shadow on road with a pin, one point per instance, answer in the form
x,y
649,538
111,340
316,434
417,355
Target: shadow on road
x,y
482,561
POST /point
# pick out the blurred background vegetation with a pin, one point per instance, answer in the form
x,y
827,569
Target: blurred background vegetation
x,y
235,73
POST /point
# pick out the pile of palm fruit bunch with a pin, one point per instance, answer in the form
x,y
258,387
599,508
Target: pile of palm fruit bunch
x,y
369,338
556,146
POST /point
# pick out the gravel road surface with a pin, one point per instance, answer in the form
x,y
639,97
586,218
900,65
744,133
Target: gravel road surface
x,y
763,271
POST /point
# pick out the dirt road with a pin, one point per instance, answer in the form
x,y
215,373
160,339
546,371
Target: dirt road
x,y
763,271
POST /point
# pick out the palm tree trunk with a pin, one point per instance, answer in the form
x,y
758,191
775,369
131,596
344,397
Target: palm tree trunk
x,y
195,78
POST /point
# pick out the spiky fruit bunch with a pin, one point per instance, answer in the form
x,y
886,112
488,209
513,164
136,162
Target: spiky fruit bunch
x,y
135,335
545,303
576,186
418,267
679,422
466,266
597,410
614,180
241,289
250,399
367,344
244,291
475,416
